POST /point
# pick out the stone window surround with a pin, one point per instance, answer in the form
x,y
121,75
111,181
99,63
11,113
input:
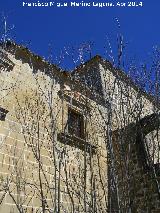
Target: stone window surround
x,y
73,140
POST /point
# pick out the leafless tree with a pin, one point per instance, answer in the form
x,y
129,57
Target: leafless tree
x,y
52,172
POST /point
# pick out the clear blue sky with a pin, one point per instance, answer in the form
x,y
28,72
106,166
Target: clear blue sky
x,y
72,26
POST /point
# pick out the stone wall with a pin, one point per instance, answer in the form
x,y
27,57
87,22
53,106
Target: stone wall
x,y
44,167
138,184
39,170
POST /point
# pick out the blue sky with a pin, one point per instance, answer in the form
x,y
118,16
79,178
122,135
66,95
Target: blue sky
x,y
52,28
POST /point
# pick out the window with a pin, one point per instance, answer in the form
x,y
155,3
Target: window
x,y
73,133
75,123
3,113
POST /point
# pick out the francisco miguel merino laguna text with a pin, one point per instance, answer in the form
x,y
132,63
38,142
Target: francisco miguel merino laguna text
x,y
83,4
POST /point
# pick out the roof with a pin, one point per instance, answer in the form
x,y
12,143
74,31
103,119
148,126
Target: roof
x,y
39,63
118,73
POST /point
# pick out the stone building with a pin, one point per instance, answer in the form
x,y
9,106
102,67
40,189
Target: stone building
x,y
69,141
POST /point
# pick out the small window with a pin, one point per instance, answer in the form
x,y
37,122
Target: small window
x,y
75,123
3,113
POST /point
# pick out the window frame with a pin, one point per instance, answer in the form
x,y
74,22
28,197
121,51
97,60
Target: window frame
x,y
81,118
